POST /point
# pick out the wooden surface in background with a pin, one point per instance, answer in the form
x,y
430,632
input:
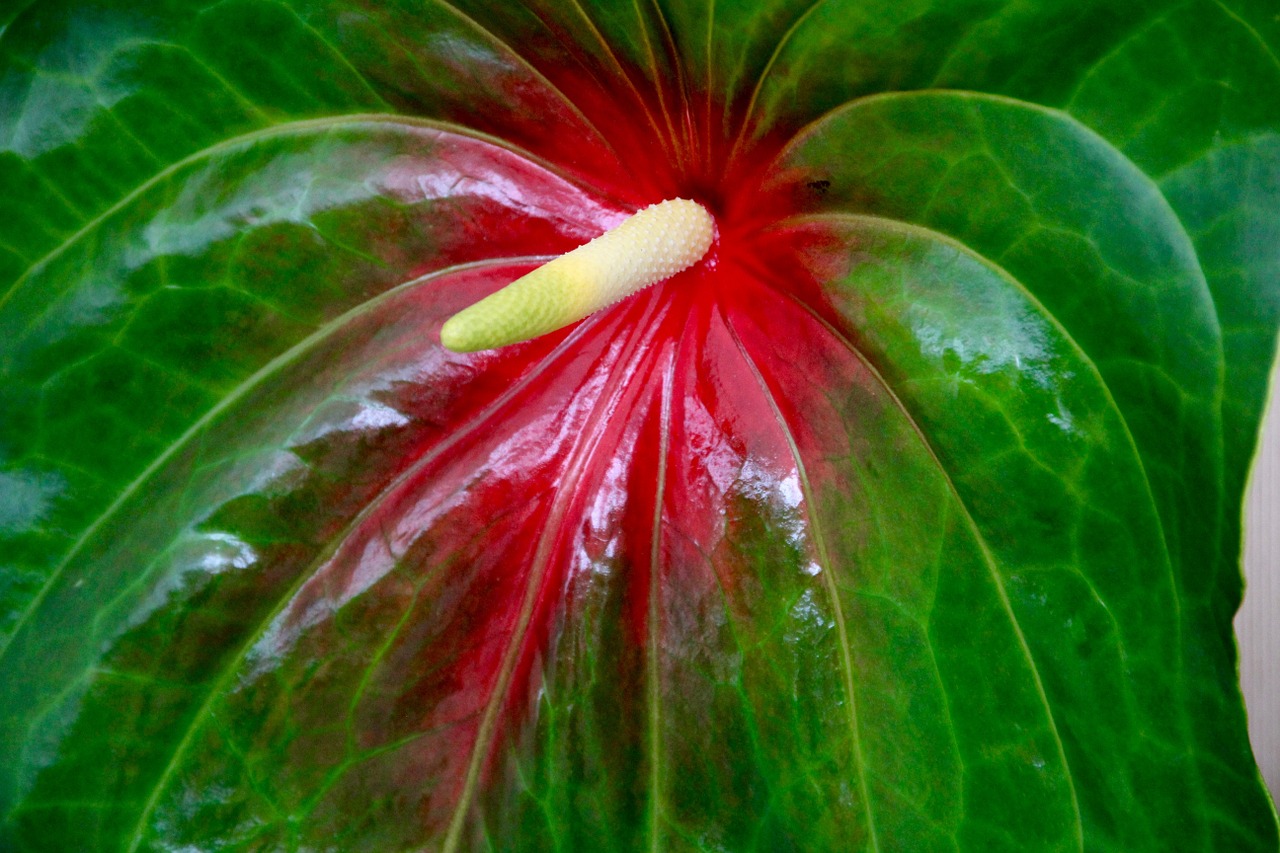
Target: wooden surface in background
x,y
1258,623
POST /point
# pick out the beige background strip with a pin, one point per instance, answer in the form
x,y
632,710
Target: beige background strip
x,y
1258,623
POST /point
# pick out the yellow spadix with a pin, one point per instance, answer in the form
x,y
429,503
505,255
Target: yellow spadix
x,y
646,248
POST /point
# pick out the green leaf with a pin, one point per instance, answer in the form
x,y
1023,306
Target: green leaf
x,y
908,520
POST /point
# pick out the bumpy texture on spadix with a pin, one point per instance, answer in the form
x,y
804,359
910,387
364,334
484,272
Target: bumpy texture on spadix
x,y
653,245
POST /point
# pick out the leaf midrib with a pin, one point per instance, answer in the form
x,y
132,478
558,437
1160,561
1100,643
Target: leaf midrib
x,y
987,555
653,635
296,128
611,396
828,581
229,669
1153,506
236,394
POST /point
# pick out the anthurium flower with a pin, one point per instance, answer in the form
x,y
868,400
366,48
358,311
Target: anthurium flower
x,y
907,517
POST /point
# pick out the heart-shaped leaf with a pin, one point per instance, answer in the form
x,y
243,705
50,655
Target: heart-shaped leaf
x,y
908,519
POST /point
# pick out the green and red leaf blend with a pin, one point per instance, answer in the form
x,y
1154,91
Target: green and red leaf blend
x,y
907,520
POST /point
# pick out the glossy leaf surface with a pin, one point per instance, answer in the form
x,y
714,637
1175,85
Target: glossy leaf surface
x,y
907,520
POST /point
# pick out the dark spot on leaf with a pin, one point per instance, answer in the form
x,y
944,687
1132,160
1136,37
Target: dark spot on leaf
x,y
819,188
